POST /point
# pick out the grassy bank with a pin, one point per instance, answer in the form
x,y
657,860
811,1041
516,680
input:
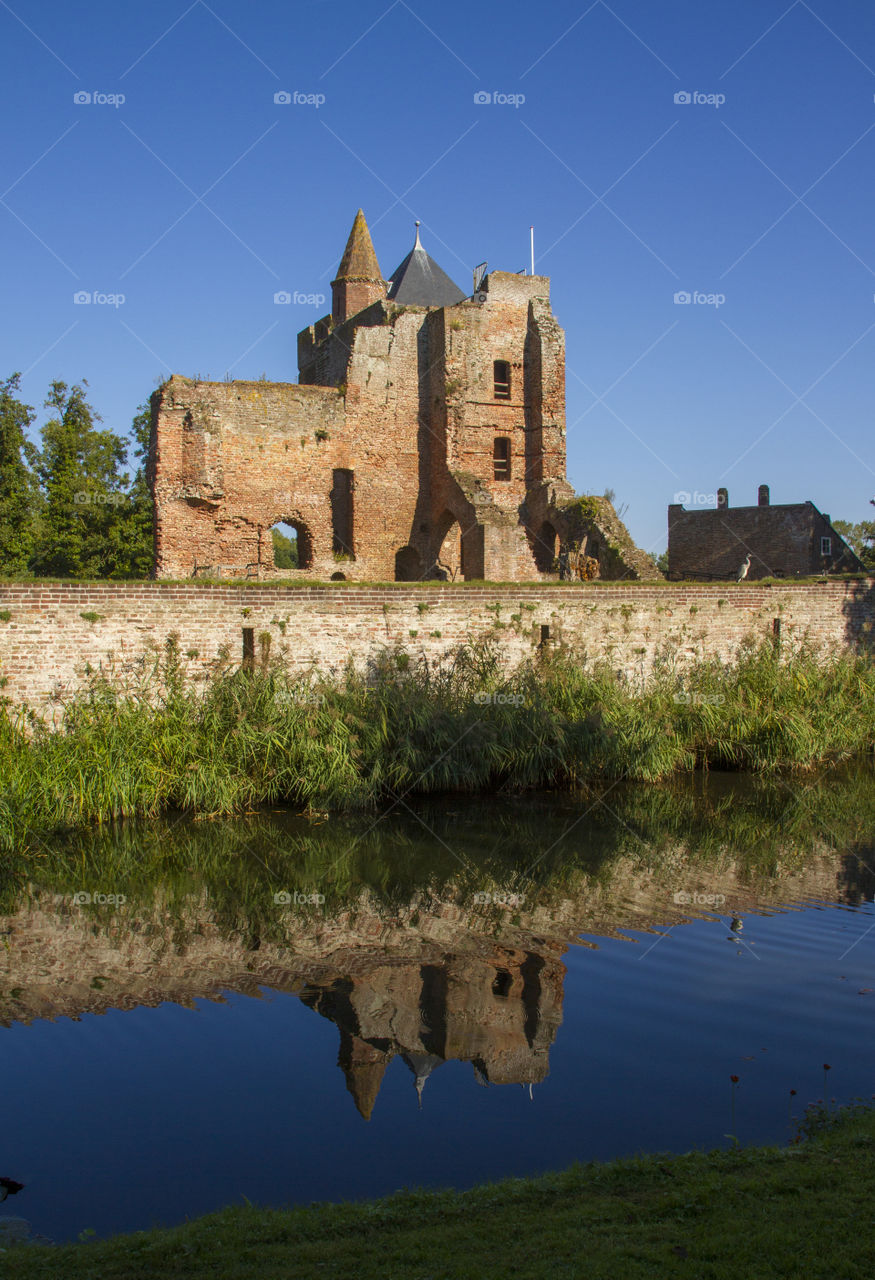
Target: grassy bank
x,y
803,1210
267,737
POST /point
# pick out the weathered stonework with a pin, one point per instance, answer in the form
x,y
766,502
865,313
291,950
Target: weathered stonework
x,y
50,632
423,441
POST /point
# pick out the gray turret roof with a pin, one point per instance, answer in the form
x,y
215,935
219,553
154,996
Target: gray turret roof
x,y
422,1065
420,282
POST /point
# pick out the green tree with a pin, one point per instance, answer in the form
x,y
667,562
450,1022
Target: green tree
x,y
79,470
19,495
285,550
136,552
860,538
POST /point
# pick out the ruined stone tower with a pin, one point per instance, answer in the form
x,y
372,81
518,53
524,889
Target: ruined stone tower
x,y
424,439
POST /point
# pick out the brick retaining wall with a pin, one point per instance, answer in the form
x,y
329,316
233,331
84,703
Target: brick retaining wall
x,y
46,642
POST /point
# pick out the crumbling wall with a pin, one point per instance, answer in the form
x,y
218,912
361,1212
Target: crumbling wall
x,y
390,445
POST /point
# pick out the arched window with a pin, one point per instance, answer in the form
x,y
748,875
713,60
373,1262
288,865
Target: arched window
x,y
501,984
449,557
501,379
292,545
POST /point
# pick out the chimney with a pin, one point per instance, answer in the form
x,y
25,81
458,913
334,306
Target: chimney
x,y
722,499
763,495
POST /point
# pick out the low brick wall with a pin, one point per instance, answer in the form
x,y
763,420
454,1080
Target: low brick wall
x,y
50,632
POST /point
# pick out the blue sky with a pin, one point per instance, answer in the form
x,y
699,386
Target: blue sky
x,y
199,197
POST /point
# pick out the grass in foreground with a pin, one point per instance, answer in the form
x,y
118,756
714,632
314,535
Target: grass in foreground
x,y
804,1210
269,737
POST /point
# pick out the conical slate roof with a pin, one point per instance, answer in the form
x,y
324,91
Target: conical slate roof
x,y
420,282
359,261
422,1065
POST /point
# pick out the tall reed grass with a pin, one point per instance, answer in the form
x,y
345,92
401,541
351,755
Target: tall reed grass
x,y
548,847
271,737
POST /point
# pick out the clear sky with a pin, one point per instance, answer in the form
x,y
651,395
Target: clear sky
x,y
199,197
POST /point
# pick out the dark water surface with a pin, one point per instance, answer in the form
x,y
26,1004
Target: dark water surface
x,y
201,1041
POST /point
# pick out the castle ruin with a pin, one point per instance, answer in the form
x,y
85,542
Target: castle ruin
x,y
425,439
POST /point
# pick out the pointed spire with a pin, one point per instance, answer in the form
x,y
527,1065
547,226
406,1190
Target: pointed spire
x,y
358,282
359,261
363,1066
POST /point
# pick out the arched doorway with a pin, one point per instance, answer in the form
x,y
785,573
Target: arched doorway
x,y
292,545
449,557
545,547
408,565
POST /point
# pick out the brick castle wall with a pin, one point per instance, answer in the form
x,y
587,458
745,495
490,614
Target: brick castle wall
x,y
402,402
49,632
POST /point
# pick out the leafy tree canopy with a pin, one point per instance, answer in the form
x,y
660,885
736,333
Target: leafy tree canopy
x,y
860,537
19,495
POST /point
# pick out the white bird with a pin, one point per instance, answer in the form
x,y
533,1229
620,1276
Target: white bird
x,y
742,573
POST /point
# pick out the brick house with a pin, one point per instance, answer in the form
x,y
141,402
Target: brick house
x,y
425,438
783,541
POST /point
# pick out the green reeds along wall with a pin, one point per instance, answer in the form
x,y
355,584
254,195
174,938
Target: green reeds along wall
x,y
266,736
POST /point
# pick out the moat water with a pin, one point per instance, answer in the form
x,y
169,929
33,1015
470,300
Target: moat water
x,y
295,1009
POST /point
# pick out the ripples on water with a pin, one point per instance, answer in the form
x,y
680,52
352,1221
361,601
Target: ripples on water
x,y
489,988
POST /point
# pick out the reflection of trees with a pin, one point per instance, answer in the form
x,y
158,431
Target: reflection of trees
x,y
538,845
402,958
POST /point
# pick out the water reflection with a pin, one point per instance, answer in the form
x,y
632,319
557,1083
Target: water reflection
x,y
442,934
498,1011
462,947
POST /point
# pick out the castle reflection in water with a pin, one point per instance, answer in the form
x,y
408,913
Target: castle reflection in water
x,y
498,1012
421,969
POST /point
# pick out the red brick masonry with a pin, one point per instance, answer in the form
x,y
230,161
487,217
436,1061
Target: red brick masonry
x,y
46,642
